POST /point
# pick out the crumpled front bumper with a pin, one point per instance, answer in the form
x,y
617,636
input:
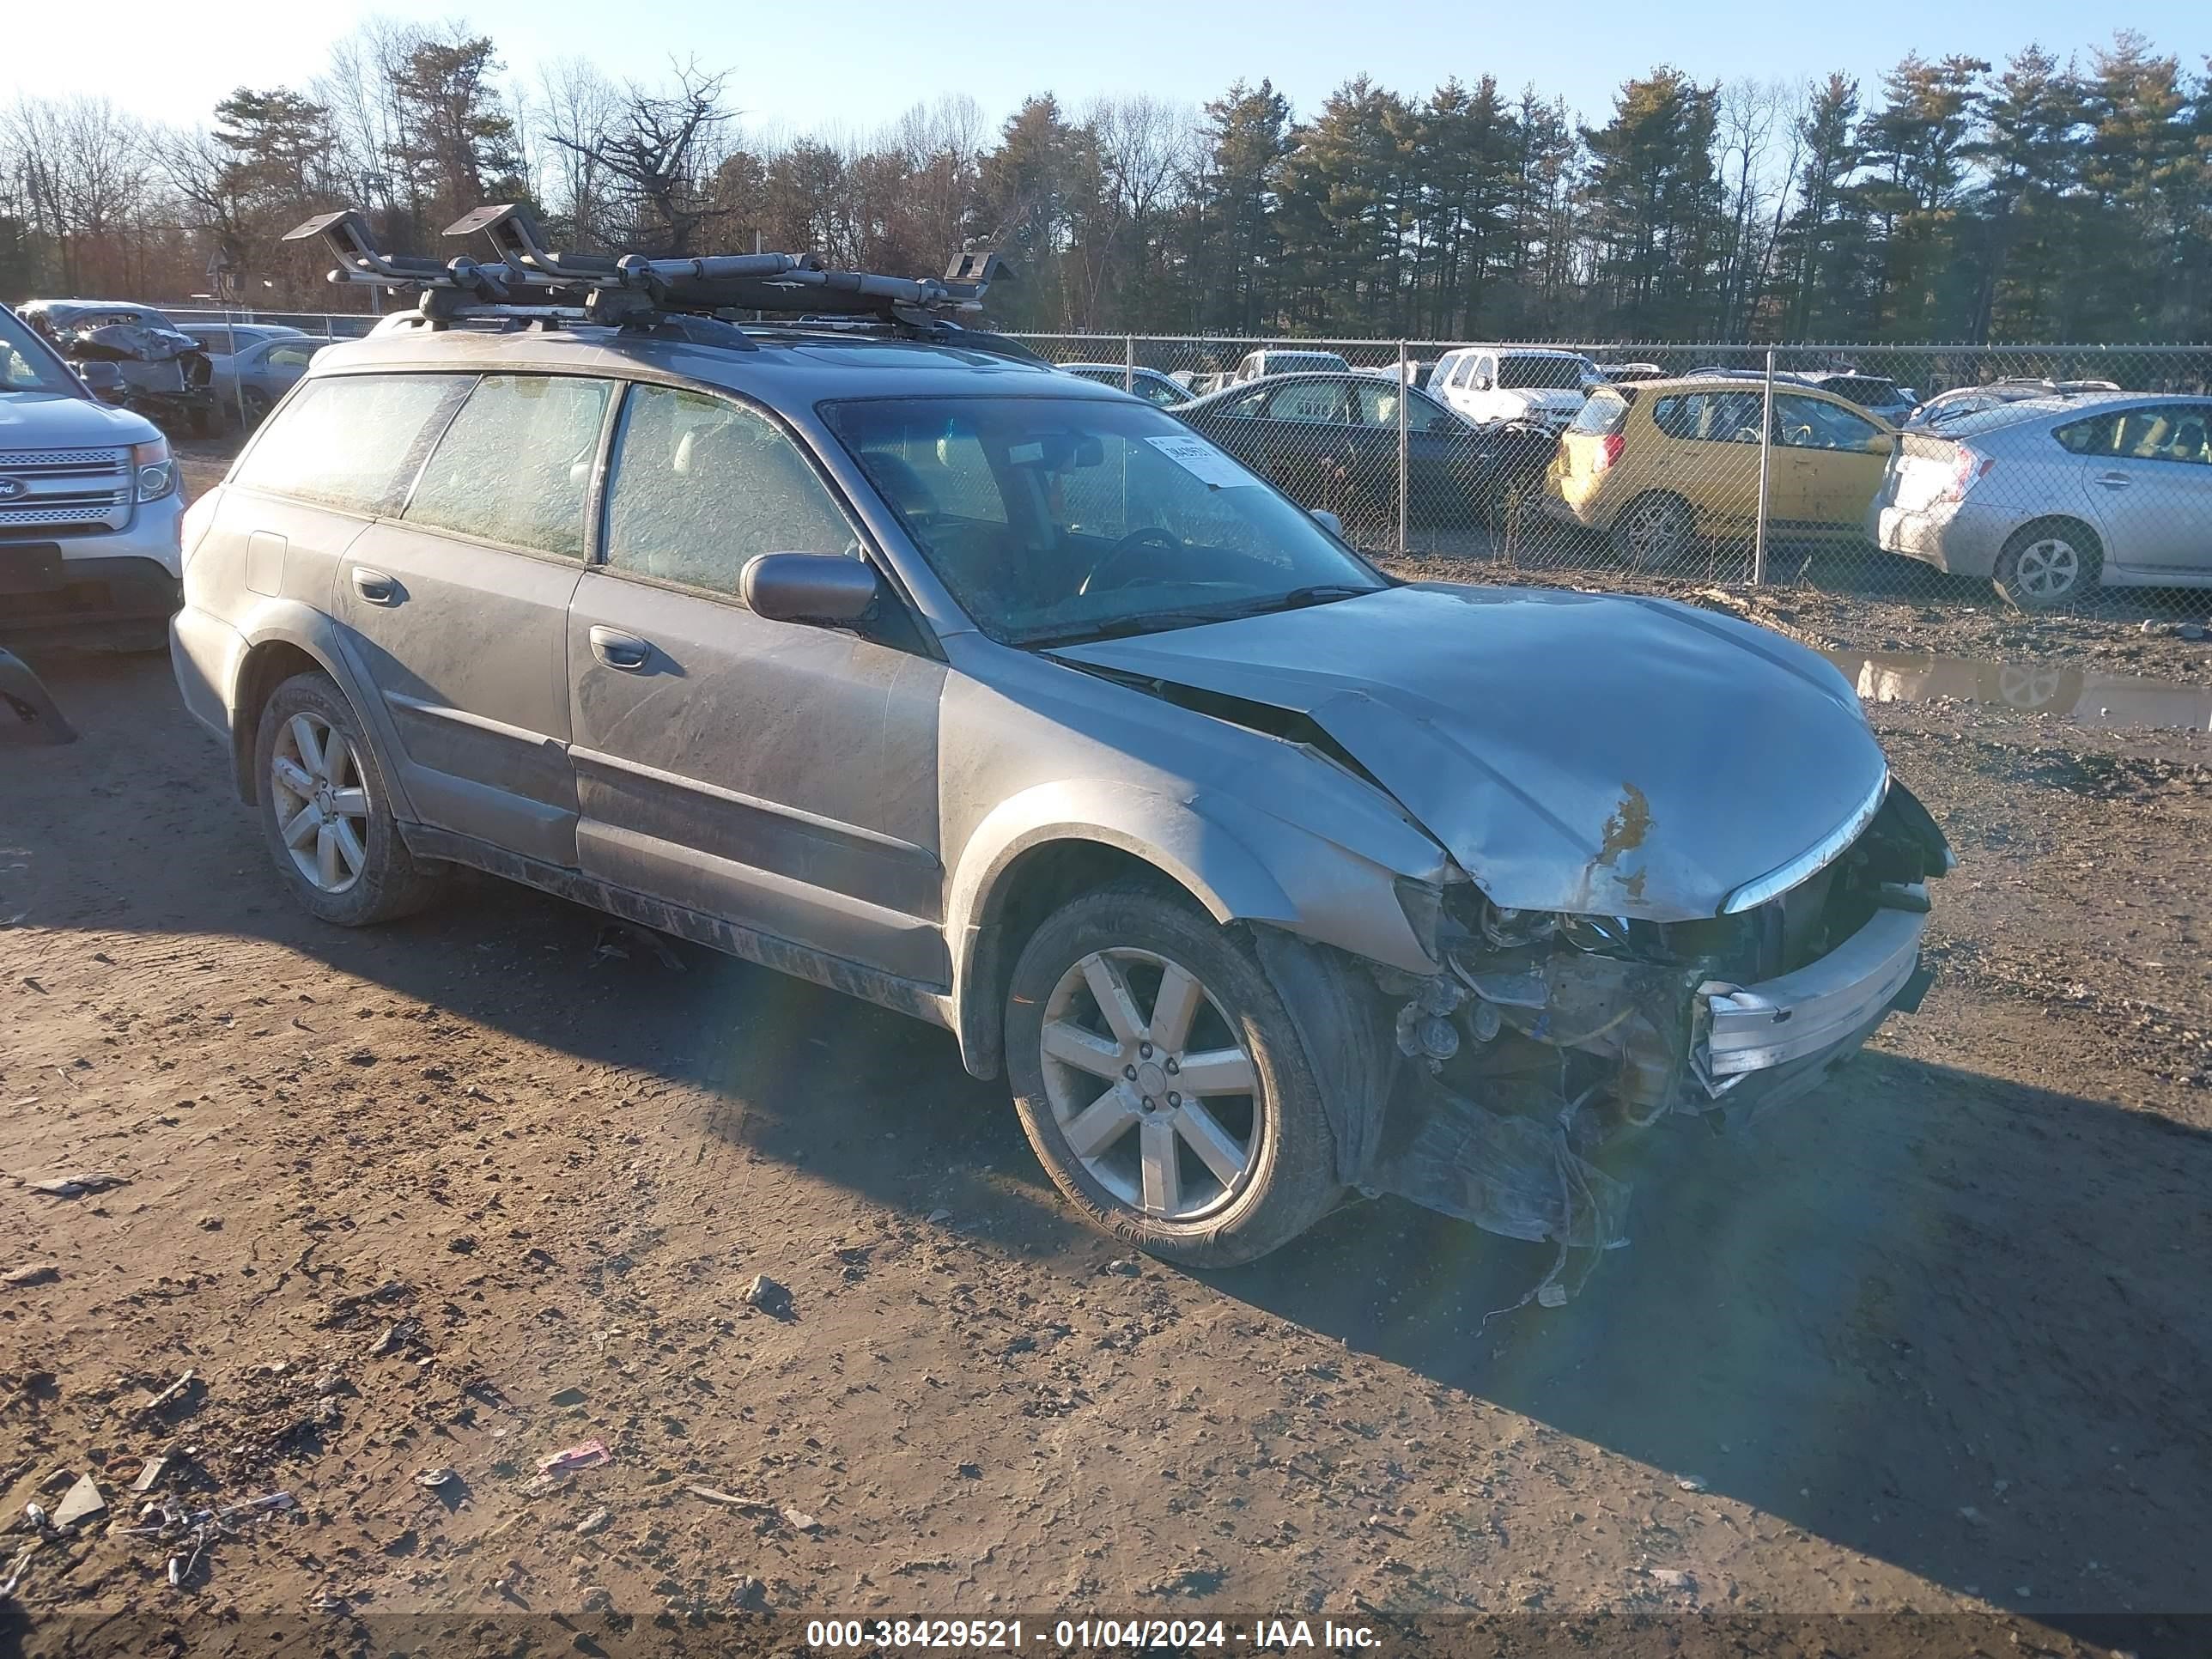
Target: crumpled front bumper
x,y
1761,1039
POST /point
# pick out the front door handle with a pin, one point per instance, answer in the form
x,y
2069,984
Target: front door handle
x,y
619,650
374,586
2114,480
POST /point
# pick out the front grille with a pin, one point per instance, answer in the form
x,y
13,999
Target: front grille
x,y
90,512
64,487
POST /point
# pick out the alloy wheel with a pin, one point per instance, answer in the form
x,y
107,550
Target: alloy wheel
x,y
320,802
1151,1084
2047,569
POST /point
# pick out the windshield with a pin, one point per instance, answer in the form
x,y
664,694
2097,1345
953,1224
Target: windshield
x,y
1056,519
1544,374
25,366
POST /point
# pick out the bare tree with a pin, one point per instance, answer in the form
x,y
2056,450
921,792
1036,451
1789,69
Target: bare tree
x,y
661,149
574,102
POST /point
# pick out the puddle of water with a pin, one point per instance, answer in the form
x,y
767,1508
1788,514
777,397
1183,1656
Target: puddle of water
x,y
2083,694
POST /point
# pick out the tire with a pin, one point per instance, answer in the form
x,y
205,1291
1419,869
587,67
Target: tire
x,y
1252,1168
2050,562
255,402
296,772
1652,532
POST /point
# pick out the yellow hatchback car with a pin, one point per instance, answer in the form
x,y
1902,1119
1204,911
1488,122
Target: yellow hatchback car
x,y
1656,465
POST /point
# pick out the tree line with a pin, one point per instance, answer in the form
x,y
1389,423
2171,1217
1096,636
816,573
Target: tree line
x,y
1960,200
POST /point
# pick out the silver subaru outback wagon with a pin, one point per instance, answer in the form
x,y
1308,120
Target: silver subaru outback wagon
x,y
1000,698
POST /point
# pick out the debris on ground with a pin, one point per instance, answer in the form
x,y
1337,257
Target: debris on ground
x,y
1692,1483
31,1273
435,1478
770,1298
76,1186
193,1533
730,1500
83,1503
596,1522
1673,1578
402,1333
588,1456
150,1476
170,1395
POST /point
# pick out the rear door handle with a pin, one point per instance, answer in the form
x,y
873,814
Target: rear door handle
x,y
374,586
619,650
2114,480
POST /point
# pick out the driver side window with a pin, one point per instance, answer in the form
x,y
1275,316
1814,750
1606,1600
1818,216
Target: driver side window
x,y
701,485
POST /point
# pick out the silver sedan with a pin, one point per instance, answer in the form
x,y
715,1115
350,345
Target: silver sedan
x,y
2050,497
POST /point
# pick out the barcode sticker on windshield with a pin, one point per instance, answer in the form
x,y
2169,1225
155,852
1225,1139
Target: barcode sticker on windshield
x,y
1202,461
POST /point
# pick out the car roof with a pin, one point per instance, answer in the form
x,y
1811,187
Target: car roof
x,y
1108,368
789,367
2073,404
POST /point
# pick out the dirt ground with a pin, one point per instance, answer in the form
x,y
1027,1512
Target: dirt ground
x,y
465,1191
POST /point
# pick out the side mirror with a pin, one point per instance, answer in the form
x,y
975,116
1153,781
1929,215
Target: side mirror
x,y
1329,522
810,587
102,379
1880,444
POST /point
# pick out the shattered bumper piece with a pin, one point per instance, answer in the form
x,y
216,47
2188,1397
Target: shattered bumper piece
x,y
1827,1007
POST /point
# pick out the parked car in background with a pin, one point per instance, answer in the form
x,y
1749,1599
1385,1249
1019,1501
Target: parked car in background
x,y
1656,465
1625,374
2050,497
1330,443
1285,359
1545,384
1417,371
1947,406
166,376
221,339
1877,395
88,508
249,381
1150,384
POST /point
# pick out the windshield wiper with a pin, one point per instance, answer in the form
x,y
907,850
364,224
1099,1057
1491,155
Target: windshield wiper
x,y
1151,621
1156,622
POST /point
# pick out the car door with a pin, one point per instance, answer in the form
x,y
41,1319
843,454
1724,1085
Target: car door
x,y
1443,464
1834,466
2151,491
775,775
1307,447
457,610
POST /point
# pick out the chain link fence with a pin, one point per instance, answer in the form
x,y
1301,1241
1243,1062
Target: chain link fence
x,y
2069,478
2072,479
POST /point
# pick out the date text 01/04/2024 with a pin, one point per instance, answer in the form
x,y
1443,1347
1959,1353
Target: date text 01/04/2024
x,y
1085,1634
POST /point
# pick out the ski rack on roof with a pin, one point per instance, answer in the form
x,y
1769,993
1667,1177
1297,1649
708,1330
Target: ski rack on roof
x,y
528,281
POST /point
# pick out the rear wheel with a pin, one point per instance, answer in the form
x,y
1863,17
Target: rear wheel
x,y
1652,532
2049,563
1161,1082
255,403
325,812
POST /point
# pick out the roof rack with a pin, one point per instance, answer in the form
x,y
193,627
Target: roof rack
x,y
528,281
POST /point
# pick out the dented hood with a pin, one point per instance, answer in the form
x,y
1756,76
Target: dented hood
x,y
1613,756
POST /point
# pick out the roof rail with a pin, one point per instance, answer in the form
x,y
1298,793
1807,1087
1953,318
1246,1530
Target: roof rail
x,y
527,279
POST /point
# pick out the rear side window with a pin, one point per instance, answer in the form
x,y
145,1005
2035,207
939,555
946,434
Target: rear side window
x,y
1605,414
515,465
2098,435
701,486
347,441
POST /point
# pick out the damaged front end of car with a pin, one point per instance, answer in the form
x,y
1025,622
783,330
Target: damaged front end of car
x,y
1550,1038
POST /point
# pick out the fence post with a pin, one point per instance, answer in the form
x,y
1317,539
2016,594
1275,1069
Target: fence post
x,y
1765,454
1128,362
1404,479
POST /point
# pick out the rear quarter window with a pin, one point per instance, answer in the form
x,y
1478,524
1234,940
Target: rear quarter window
x,y
1605,414
349,441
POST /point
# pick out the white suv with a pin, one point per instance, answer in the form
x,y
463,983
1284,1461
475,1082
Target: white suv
x,y
1546,385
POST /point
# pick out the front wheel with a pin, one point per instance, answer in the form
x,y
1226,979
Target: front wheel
x,y
1161,1082
325,812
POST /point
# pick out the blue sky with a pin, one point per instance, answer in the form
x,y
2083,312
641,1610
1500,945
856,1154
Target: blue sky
x,y
813,67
